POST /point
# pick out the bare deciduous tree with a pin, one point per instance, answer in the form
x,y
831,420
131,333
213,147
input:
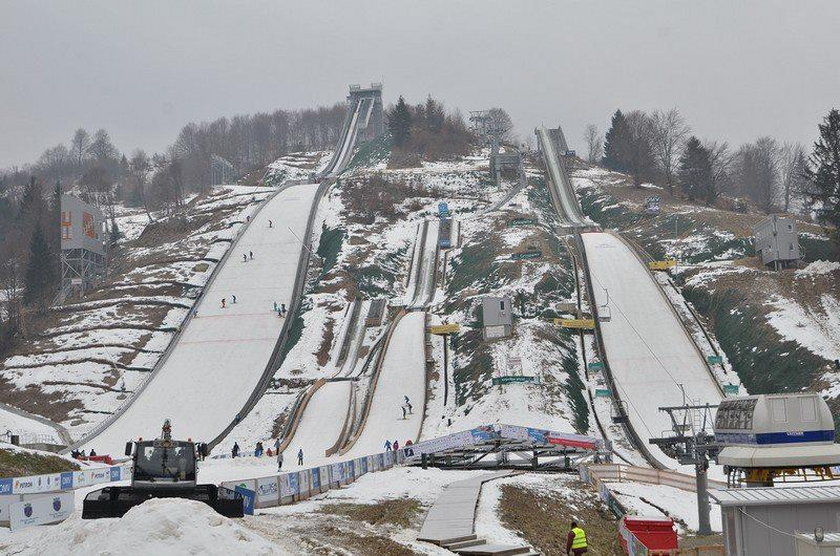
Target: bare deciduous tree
x,y
668,132
594,143
792,165
758,172
80,145
722,159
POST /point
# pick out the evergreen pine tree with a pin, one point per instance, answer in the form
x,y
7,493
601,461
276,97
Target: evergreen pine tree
x,y
824,170
695,172
617,144
399,123
41,275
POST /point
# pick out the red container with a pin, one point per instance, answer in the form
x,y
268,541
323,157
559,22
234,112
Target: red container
x,y
655,532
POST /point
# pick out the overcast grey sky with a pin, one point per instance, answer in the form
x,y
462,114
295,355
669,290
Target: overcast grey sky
x,y
141,69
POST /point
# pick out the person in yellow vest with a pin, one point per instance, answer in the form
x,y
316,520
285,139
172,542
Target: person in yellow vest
x,y
576,540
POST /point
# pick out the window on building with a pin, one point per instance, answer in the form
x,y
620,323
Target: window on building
x,y
809,409
778,409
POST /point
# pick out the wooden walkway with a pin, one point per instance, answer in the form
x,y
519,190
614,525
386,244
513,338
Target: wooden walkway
x,y
451,519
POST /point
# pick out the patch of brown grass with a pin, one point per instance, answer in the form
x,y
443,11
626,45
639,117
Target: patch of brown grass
x,y
323,354
397,511
543,518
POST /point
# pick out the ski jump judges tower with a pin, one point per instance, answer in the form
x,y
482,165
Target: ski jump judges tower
x,y
83,246
372,122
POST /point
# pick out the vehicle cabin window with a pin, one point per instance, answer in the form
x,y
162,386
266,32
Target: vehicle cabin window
x,y
809,409
778,410
502,305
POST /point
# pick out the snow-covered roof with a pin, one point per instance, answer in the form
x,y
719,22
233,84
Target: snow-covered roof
x,y
775,496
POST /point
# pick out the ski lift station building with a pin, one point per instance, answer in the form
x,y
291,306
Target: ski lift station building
x,y
497,317
764,521
776,241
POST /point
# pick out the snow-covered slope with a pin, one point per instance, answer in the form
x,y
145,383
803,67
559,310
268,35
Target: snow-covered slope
x,y
649,352
223,352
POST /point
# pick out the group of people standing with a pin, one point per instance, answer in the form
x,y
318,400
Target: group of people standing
x,y
260,451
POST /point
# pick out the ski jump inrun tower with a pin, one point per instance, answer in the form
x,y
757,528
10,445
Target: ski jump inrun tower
x,y
372,124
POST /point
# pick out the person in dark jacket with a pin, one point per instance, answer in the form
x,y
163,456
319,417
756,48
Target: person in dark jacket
x,y
576,540
387,445
235,450
300,456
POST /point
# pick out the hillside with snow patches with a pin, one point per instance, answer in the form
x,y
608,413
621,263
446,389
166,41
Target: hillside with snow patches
x,y
777,330
90,356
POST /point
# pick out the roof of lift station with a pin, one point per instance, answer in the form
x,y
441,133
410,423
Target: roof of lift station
x,y
780,456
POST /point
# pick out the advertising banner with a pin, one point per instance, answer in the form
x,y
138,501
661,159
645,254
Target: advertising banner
x,y
36,484
305,486
40,511
337,471
249,498
316,479
294,482
268,492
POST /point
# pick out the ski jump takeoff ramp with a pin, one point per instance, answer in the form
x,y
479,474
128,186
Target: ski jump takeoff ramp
x,y
222,353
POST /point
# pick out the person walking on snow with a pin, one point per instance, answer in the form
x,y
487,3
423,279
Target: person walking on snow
x,y
406,399
396,445
283,308
387,445
270,224
251,254
279,461
244,258
223,303
300,456
234,452
275,306
403,408
234,298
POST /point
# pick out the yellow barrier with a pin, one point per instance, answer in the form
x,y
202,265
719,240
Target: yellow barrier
x,y
586,324
662,265
445,329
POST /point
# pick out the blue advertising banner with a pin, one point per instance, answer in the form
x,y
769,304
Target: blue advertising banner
x,y
294,482
5,486
115,473
249,496
316,479
67,480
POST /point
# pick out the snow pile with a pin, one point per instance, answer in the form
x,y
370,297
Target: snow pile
x,y
159,526
818,267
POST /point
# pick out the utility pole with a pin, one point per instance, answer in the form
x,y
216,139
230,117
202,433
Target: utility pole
x,y
693,444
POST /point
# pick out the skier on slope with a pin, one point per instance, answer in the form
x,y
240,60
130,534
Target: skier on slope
x,y
234,452
251,253
279,461
224,303
234,298
300,456
387,445
244,258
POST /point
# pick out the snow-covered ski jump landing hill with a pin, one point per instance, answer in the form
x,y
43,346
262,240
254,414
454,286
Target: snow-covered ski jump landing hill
x,y
222,353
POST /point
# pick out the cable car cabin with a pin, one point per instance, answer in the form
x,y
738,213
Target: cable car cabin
x,y
776,436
